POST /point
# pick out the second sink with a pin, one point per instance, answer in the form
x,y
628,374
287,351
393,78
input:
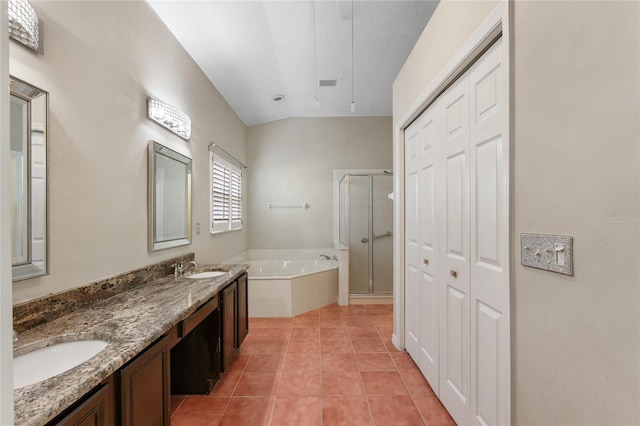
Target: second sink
x,y
206,274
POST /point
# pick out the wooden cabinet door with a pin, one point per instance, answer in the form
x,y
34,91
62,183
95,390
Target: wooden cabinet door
x,y
243,310
229,319
97,410
144,387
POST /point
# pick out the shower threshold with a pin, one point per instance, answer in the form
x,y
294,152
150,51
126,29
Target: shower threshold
x,y
371,299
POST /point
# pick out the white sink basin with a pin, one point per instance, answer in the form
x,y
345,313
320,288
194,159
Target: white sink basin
x,y
44,363
206,274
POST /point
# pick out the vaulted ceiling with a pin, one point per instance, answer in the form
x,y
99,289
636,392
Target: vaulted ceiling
x,y
253,51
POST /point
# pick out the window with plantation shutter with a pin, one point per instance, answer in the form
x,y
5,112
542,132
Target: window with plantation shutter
x,y
226,195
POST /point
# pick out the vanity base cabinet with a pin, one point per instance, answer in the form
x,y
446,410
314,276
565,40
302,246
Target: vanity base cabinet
x,y
195,360
242,310
229,321
96,409
145,387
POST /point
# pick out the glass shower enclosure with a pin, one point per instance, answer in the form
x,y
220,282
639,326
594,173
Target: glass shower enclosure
x,y
365,227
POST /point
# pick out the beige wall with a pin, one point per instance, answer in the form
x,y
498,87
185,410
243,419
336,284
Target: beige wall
x,y
291,161
576,146
575,172
101,60
450,26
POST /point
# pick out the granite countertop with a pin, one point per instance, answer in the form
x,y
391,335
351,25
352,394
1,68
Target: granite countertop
x,y
129,321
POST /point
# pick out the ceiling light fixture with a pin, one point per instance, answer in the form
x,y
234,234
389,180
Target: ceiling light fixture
x,y
315,54
23,24
169,117
353,101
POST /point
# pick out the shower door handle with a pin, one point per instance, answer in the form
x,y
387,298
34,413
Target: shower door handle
x,y
364,240
386,234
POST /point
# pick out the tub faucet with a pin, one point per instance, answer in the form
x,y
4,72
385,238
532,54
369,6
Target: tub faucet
x,y
325,257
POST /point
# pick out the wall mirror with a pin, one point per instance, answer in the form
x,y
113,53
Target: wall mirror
x,y
169,198
29,180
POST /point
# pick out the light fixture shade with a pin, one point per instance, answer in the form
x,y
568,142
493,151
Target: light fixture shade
x,y
23,23
169,117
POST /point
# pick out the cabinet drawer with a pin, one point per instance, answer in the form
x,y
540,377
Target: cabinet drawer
x,y
94,411
185,326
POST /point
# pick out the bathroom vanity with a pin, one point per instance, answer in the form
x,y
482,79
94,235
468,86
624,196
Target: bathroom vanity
x,y
163,336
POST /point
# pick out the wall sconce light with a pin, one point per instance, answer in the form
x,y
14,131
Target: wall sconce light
x,y
169,117
23,24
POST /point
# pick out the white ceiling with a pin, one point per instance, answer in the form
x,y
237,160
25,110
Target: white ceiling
x,y
254,50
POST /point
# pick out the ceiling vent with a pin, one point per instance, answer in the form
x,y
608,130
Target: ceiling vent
x,y
328,83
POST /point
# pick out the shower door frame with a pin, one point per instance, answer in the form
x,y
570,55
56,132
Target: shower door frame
x,y
339,176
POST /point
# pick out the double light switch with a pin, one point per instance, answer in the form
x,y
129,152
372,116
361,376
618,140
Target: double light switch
x,y
549,252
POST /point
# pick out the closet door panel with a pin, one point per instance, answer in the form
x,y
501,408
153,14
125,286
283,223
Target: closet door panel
x,y
453,202
490,352
429,321
412,244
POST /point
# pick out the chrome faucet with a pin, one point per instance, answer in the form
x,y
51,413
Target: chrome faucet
x,y
15,336
191,264
180,267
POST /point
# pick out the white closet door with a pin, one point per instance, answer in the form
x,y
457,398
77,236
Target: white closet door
x,y
489,241
453,201
412,236
457,244
428,294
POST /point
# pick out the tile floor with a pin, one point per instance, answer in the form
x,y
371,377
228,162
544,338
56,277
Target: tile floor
x,y
331,366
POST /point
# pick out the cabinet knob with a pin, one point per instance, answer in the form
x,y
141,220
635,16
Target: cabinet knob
x,y
425,261
453,273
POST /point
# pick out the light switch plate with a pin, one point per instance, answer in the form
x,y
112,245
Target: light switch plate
x,y
549,252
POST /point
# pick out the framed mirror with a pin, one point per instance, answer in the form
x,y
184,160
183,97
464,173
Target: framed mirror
x,y
169,198
28,124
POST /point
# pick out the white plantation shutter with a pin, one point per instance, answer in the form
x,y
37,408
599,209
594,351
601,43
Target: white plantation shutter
x,y
236,198
226,195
